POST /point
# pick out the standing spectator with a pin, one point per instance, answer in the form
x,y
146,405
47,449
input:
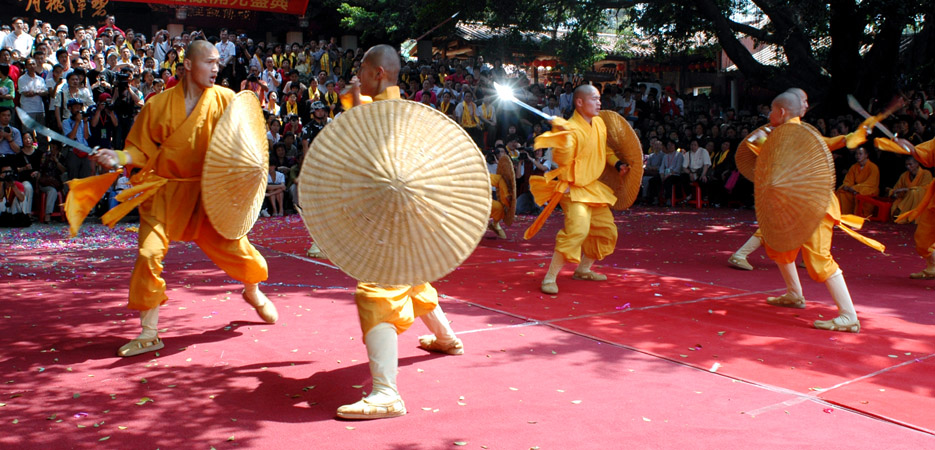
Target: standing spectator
x,y
19,39
488,118
51,173
7,87
552,107
71,90
76,127
270,76
103,123
226,52
32,88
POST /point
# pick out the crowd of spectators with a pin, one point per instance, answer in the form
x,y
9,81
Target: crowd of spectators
x,y
90,81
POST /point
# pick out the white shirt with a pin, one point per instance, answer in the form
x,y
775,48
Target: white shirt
x,y
268,76
21,43
225,52
280,178
696,160
556,111
31,84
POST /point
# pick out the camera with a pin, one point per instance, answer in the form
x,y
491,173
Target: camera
x,y
122,80
7,129
252,78
7,176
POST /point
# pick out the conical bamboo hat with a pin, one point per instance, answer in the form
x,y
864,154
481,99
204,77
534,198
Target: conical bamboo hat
x,y
505,170
746,155
233,180
395,192
794,184
623,141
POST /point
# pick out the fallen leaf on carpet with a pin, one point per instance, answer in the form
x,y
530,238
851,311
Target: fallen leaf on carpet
x,y
577,402
144,401
646,419
460,443
121,427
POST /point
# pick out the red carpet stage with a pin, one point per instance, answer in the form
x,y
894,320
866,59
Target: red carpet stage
x,y
675,350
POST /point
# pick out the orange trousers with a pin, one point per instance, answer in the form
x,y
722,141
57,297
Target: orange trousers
x,y
816,252
236,257
925,232
396,305
589,228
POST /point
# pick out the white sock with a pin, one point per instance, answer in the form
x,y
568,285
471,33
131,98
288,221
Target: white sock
x,y
150,321
748,247
438,324
791,276
842,297
930,263
251,291
383,352
585,265
554,268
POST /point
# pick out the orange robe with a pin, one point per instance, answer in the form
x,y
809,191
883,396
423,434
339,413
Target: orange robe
x,y
499,206
866,181
924,214
581,153
917,187
396,305
816,251
170,148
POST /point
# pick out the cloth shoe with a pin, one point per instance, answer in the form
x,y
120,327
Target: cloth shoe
x,y
787,300
839,323
367,409
588,276
549,287
739,262
431,343
923,275
263,306
384,402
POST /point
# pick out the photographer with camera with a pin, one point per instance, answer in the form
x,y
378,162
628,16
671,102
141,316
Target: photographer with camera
x,y
26,166
10,138
103,122
72,89
76,127
12,212
125,103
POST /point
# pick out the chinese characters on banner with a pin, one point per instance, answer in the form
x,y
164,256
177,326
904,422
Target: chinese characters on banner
x,y
295,7
98,7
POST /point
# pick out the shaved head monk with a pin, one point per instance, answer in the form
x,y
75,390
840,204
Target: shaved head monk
x,y
386,311
589,234
168,143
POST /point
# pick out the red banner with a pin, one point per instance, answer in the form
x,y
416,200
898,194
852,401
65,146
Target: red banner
x,y
276,6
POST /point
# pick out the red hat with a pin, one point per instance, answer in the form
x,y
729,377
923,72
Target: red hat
x,y
103,96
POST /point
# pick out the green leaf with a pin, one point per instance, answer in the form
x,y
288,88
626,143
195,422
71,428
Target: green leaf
x,y
104,438
144,400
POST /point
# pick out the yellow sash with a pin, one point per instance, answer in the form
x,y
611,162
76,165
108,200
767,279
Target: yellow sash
x,y
469,116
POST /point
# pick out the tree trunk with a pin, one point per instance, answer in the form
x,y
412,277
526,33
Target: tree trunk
x,y
881,65
846,33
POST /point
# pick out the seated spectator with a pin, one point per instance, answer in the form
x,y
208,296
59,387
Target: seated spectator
x,y
273,136
26,165
51,177
695,165
488,119
272,104
275,188
10,137
722,169
911,187
670,169
863,178
651,181
467,117
12,211
445,106
280,160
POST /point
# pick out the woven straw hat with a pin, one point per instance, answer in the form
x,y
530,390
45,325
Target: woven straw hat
x,y
395,192
233,180
505,170
795,180
745,158
623,141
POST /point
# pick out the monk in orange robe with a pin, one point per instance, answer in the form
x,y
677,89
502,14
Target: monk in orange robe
x,y
910,189
816,251
580,150
739,258
499,206
386,311
168,142
863,178
924,213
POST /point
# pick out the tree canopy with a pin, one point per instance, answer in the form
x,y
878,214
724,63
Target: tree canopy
x,y
857,43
